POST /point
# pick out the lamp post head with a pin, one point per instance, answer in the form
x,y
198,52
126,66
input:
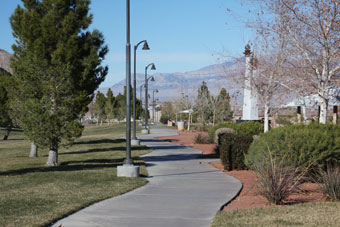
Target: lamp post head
x,y
153,67
146,46
152,78
156,90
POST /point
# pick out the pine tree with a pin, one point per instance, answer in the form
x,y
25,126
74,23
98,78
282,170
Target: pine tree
x,y
99,107
110,105
120,107
223,110
5,120
203,103
56,68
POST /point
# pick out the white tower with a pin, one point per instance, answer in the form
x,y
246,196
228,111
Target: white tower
x,y
250,108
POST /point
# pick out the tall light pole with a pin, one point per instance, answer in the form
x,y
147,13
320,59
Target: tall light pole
x,y
128,159
155,112
128,169
153,104
141,102
187,102
145,47
146,129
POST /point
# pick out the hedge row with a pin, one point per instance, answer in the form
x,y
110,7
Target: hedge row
x,y
302,145
232,148
249,128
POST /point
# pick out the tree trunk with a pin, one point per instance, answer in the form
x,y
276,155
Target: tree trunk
x,y
214,116
101,122
34,151
335,115
8,131
52,156
304,115
323,111
266,117
298,112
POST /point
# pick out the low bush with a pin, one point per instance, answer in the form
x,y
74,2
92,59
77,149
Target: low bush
x,y
277,180
302,145
329,181
227,124
221,131
282,156
202,139
249,128
232,148
164,119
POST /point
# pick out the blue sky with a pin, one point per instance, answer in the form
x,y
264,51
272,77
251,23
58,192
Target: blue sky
x,y
183,35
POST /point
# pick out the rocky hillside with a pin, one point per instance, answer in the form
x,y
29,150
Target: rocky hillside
x,y
5,60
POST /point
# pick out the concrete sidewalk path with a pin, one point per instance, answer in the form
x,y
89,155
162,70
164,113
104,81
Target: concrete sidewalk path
x,y
183,191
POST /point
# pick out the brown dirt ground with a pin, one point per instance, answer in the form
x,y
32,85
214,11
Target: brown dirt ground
x,y
250,196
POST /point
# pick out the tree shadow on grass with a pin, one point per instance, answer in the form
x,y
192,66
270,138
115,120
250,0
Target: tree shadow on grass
x,y
89,164
94,150
137,161
103,150
64,166
12,139
101,141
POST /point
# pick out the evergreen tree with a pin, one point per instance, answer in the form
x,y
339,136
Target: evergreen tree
x,y
223,108
5,120
203,103
120,107
110,105
99,107
56,69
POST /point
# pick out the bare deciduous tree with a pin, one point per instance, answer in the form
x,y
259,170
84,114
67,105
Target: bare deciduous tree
x,y
314,28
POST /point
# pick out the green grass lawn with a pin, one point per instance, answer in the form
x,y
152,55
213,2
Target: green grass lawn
x,y
35,195
314,214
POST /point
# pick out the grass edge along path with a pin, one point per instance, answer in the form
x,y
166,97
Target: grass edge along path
x,y
309,214
35,195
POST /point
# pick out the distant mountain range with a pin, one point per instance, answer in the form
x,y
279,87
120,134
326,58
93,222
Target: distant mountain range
x,y
172,86
5,60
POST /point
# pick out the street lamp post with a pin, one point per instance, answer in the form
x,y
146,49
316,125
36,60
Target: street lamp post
x,y
141,102
153,104
128,169
135,141
146,129
155,112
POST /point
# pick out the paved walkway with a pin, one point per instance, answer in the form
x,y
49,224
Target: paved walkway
x,y
183,191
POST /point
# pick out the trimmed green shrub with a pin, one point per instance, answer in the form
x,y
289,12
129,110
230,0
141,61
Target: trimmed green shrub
x,y
232,148
249,128
302,145
221,131
226,124
164,119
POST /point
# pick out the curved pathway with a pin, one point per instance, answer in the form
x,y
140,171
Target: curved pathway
x,y
183,191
